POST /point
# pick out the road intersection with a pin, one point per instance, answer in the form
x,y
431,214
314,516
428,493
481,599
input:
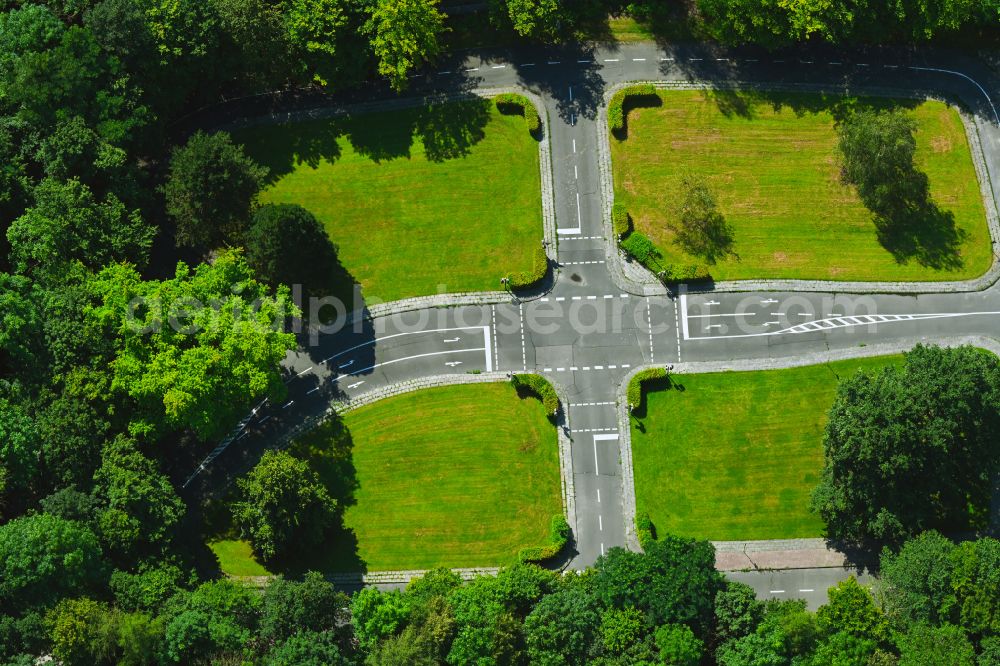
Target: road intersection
x,y
590,330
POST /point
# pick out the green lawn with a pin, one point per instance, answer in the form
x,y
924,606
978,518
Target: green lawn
x,y
418,200
736,455
452,476
772,162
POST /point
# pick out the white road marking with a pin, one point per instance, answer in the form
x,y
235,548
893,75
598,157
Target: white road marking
x,y
591,298
638,60
472,69
444,73
452,364
269,416
581,263
834,62
772,323
572,368
528,64
891,66
752,60
496,345
712,303
312,390
346,365
606,437
649,323
584,62
560,369
666,59
524,353
600,523
396,335
626,365
597,467
696,59
590,404
574,145
611,60
602,549
684,311
598,367
862,64
489,347
768,301
552,62
571,93
304,371
776,592
807,589
453,339
714,326
288,404
356,384
489,363
598,495
560,298
576,174
964,76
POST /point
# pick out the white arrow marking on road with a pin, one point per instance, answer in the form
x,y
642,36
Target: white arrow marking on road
x,y
348,364
712,303
452,364
355,385
453,339
768,301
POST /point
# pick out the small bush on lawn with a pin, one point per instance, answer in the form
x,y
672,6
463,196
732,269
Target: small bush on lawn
x,y
558,536
624,99
538,386
621,222
539,268
640,248
644,529
514,103
634,393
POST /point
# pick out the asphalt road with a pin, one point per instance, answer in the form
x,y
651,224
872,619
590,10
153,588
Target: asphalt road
x,y
586,334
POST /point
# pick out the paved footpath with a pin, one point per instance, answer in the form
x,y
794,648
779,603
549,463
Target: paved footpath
x,y
601,319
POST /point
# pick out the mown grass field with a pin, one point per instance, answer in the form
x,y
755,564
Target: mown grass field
x,y
736,455
417,200
772,162
452,476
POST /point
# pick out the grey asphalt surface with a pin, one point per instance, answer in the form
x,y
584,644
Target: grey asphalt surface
x,y
586,334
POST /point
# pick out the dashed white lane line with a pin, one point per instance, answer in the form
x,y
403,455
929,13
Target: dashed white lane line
x,y
598,495
581,263
288,404
649,323
584,62
263,420
600,523
583,238
472,69
807,589
527,64
677,329
611,60
304,371
666,59
596,430
444,73
552,62
310,391
498,66
524,351
638,60
576,173
590,404
834,62
602,549
574,146
776,592
496,347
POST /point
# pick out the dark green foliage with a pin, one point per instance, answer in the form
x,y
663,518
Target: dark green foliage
x,y
217,617
287,245
625,99
210,190
562,626
514,103
311,605
639,247
912,448
645,531
634,391
283,506
925,645
675,581
558,536
44,558
67,224
917,580
148,589
738,612
678,645
701,230
621,221
70,504
527,279
539,387
307,648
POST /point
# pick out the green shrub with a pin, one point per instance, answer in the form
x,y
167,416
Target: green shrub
x,y
618,106
514,103
538,386
634,393
531,277
621,222
558,536
644,529
640,248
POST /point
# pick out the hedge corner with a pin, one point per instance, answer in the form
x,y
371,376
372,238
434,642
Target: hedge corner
x,y
558,538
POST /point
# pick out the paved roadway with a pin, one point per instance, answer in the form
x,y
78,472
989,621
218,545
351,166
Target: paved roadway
x,y
586,334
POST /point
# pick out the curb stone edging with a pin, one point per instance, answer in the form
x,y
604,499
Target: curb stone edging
x,y
640,281
749,365
545,174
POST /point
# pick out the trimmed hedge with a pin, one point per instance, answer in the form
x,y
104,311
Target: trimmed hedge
x,y
640,248
538,386
621,222
558,536
644,530
617,112
634,393
539,269
510,103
